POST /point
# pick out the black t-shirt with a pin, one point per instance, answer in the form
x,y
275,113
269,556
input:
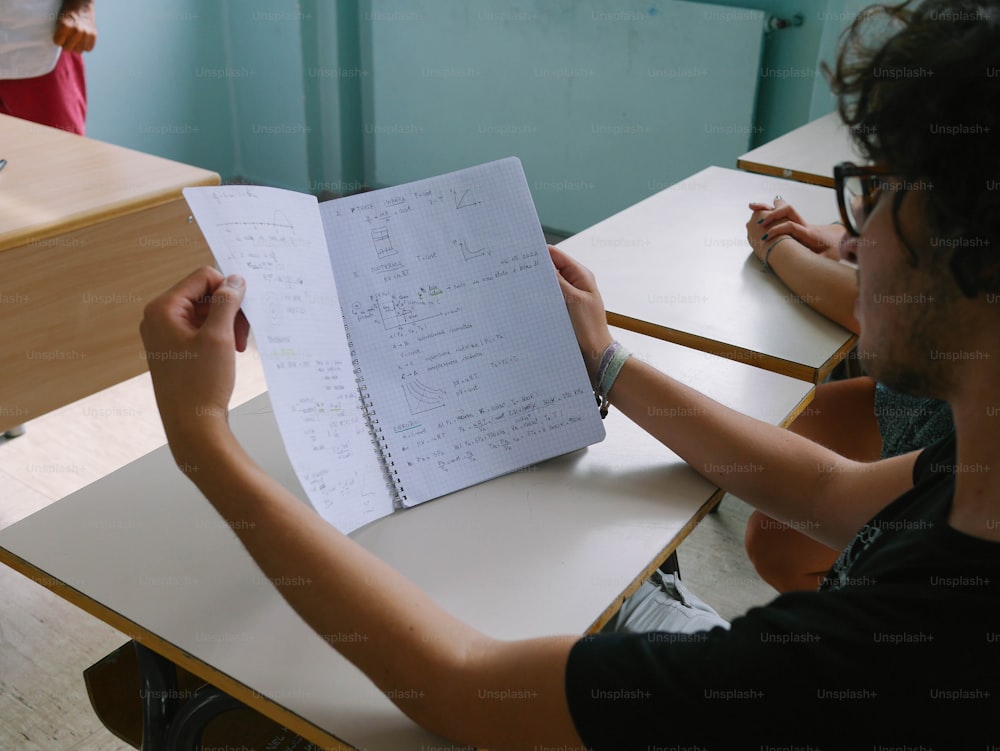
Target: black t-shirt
x,y
899,649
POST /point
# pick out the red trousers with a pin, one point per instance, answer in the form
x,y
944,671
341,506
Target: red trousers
x,y
58,99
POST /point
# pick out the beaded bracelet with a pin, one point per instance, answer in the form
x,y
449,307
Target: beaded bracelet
x,y
612,360
764,266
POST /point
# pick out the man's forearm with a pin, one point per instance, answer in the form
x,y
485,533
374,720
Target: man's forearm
x,y
430,664
778,472
337,587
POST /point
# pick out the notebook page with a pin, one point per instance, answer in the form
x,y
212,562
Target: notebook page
x,y
460,329
274,239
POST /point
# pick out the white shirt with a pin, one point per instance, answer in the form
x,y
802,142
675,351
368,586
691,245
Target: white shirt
x,y
26,29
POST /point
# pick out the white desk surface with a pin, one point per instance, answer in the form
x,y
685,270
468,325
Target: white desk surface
x,y
677,266
807,154
548,550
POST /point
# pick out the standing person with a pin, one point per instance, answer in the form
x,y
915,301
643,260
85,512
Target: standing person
x,y
899,647
41,67
41,60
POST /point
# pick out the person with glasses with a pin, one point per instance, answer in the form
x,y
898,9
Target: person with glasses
x,y
900,646
856,417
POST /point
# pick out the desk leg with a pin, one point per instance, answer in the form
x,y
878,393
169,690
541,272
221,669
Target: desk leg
x,y
207,703
168,724
671,565
160,697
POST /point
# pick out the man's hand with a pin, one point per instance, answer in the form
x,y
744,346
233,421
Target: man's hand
x,y
190,333
586,308
76,27
768,223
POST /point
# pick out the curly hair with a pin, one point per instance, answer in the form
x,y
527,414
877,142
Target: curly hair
x,y
926,104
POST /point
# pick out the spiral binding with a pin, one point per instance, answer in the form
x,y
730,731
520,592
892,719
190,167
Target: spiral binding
x,y
392,479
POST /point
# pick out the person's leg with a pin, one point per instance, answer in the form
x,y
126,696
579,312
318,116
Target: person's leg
x,y
842,418
57,99
785,558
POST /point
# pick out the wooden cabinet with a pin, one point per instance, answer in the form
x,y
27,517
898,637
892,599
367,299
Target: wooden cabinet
x,y
89,233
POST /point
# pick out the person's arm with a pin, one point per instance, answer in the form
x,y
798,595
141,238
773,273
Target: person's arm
x,y
76,26
828,287
784,475
804,257
445,675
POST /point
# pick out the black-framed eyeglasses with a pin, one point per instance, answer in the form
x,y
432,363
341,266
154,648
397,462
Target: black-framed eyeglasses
x,y
858,189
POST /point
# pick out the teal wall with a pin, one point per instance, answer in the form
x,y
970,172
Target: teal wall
x,y
269,129
603,107
274,91
154,82
838,16
789,69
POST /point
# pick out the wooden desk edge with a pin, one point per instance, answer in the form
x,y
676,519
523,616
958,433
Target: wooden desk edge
x,y
192,664
672,546
732,352
836,358
17,237
788,174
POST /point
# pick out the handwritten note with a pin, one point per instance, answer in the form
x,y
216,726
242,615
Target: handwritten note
x,y
460,328
458,363
274,239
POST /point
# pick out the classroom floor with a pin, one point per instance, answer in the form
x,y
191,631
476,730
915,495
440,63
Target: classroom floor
x,y
46,643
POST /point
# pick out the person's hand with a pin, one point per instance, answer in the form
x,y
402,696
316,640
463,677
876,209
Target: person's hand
x,y
190,333
585,306
76,27
770,222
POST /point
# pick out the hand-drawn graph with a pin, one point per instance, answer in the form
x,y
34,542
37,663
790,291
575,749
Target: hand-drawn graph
x,y
277,233
382,241
464,198
421,397
399,310
469,253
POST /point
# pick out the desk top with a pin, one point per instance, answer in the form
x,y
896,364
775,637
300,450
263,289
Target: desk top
x,y
677,266
551,549
807,154
56,182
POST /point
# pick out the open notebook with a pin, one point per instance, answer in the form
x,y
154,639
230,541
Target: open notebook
x,y
414,339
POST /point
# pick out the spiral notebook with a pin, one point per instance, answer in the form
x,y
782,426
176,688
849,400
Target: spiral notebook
x,y
414,339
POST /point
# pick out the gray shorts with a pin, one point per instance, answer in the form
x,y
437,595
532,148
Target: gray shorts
x,y
663,603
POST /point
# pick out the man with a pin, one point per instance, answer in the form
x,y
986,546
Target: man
x,y
900,647
41,63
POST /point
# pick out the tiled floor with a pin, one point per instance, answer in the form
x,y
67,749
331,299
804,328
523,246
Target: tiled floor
x,y
46,643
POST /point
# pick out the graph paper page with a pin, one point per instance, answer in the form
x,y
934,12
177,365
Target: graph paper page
x,y
452,305
274,239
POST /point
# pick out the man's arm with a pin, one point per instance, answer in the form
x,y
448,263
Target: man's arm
x,y
447,676
76,26
782,474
